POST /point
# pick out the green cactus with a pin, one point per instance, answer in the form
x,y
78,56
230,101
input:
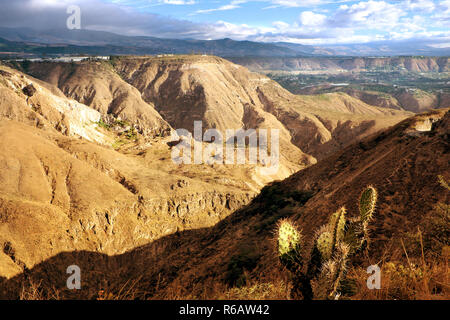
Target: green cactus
x,y
340,260
337,226
333,245
324,242
367,203
330,235
355,235
289,245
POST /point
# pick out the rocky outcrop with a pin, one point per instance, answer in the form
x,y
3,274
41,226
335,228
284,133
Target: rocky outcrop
x,y
52,199
28,100
97,85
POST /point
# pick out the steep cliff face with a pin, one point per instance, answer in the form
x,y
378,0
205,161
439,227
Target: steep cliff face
x,y
33,102
98,86
222,95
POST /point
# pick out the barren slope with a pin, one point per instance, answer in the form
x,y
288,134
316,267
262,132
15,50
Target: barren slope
x,y
69,183
413,100
61,192
227,96
97,85
402,163
222,95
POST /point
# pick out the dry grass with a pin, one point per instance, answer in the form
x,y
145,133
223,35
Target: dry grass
x,y
413,279
128,291
412,273
33,290
278,290
408,272
414,267
269,289
400,281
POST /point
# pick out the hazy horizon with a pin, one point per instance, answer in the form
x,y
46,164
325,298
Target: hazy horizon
x,y
308,22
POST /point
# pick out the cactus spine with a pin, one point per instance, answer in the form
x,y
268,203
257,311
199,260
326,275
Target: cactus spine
x,y
367,203
333,245
324,243
337,225
289,245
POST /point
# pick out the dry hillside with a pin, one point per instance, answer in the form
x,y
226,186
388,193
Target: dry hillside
x,y
405,99
403,163
224,96
59,167
97,85
86,173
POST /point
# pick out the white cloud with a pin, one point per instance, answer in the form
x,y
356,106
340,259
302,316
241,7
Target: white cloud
x,y
302,3
420,5
178,2
309,18
440,45
442,15
362,21
273,4
232,5
352,23
370,14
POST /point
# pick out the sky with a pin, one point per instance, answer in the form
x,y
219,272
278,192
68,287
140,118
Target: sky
x,y
298,21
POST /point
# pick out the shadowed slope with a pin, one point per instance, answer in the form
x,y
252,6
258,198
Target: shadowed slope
x,y
402,163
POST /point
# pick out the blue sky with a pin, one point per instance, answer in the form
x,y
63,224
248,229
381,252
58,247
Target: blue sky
x,y
310,21
299,21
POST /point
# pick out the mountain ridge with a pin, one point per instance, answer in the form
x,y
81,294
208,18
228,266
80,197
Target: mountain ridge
x,y
105,43
223,96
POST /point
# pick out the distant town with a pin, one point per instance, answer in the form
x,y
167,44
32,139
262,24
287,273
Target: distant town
x,y
63,59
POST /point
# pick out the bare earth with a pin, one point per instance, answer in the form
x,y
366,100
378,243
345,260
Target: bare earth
x,y
86,174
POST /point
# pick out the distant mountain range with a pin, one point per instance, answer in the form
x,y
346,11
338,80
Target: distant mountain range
x,y
28,41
